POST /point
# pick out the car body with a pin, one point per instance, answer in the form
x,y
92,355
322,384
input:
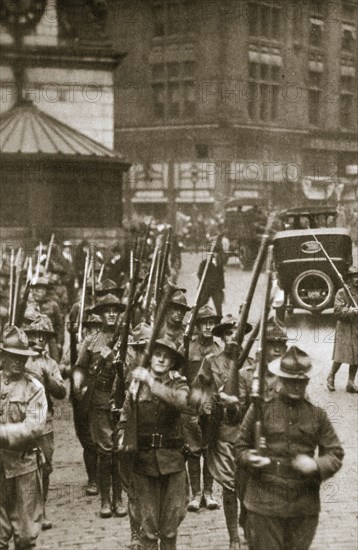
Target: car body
x,y
304,273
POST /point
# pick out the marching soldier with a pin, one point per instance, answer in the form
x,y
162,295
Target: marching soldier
x,y
93,378
23,412
202,345
91,326
282,495
50,308
276,345
346,337
158,472
173,326
46,370
224,411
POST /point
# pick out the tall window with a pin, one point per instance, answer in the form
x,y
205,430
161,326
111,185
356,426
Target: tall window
x,y
173,88
314,97
349,31
171,17
263,92
346,111
264,20
316,23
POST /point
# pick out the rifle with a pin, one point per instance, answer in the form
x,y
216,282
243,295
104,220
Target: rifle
x,y
258,381
100,275
11,284
49,252
18,271
38,263
20,313
164,265
118,390
232,381
130,438
189,328
83,300
93,276
338,274
148,294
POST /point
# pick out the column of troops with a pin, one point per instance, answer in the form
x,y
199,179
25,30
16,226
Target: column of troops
x,y
161,416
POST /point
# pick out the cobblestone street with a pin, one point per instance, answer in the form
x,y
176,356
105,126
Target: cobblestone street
x,y
75,517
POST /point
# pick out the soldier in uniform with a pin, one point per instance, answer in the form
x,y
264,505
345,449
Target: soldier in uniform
x,y
202,345
346,337
276,345
50,308
23,412
173,325
93,377
225,411
158,472
91,326
46,370
282,495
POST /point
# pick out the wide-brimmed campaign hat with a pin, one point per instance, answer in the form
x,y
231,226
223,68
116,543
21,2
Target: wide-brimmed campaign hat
x,y
108,300
169,345
15,342
206,312
294,363
178,299
229,322
140,335
41,324
109,287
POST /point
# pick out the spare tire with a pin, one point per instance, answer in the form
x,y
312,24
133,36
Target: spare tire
x,y
313,290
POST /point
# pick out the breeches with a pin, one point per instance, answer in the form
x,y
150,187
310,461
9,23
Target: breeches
x,y
272,533
162,503
101,429
81,422
20,510
192,433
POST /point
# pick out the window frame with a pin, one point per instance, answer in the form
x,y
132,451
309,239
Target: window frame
x,y
264,85
173,85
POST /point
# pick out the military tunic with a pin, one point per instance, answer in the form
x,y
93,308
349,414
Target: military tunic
x,y
284,504
23,412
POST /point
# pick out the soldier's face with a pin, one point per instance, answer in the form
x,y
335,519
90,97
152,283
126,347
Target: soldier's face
x,y
162,361
14,365
109,317
354,279
37,340
294,388
205,327
176,315
274,350
229,337
39,294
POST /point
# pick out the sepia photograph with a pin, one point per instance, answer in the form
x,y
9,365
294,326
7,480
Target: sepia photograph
x,y
178,274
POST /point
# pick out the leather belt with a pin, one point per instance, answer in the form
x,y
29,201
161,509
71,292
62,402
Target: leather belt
x,y
159,441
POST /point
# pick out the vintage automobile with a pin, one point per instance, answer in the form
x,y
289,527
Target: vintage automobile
x,y
244,225
304,274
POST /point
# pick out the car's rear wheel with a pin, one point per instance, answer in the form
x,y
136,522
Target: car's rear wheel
x,y
313,290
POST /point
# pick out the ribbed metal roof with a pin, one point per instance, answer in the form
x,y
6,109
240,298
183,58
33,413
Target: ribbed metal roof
x,y
25,129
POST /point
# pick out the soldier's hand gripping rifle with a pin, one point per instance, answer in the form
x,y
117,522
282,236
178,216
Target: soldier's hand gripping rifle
x,y
189,328
338,274
231,384
258,381
130,438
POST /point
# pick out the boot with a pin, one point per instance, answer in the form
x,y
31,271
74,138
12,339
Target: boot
x,y
194,477
90,460
331,376
231,518
149,544
104,470
46,524
351,387
136,543
118,509
209,501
